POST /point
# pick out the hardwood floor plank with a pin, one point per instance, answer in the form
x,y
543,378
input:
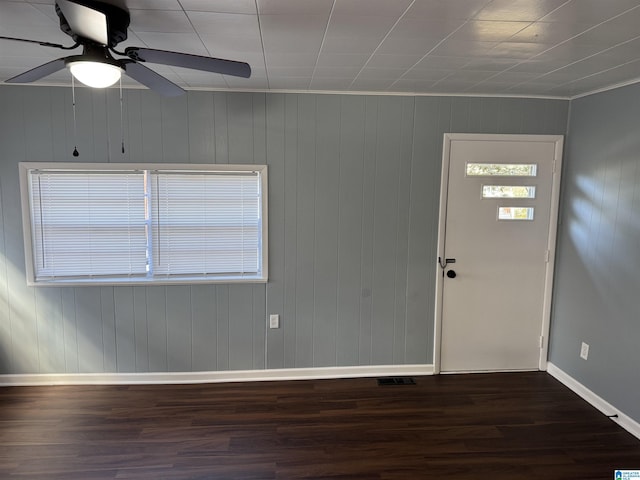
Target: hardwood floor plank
x,y
500,426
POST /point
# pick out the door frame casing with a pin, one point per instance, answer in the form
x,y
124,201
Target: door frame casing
x,y
558,140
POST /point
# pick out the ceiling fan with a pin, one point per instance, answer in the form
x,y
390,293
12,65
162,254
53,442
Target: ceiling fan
x,y
98,27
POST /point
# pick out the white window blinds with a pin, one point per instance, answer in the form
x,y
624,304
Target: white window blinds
x,y
149,224
88,224
205,224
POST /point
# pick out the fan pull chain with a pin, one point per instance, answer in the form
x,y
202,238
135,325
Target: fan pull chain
x,y
121,118
75,127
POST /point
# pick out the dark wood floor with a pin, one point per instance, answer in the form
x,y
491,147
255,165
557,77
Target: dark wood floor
x,y
492,426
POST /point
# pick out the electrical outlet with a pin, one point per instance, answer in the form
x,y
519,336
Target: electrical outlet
x,y
274,320
584,351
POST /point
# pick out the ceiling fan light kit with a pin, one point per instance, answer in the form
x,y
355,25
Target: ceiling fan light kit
x,y
98,27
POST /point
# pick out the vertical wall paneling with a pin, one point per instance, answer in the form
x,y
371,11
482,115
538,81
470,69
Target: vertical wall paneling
x,y
420,259
125,329
258,291
5,325
305,234
326,228
385,226
203,315
108,317
220,127
179,328
175,130
598,253
289,316
241,327
402,233
70,330
367,245
50,330
222,332
353,203
157,328
200,127
275,288
350,228
89,331
141,328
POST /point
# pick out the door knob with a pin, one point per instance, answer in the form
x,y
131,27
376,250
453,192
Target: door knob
x,y
451,273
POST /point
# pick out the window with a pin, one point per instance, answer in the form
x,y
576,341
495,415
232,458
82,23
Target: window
x,y
515,213
508,191
154,223
501,169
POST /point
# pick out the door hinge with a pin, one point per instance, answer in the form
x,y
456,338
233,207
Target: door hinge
x,y
547,256
541,341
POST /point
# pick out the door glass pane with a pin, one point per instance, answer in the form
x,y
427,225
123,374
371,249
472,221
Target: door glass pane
x,y
508,191
502,169
515,213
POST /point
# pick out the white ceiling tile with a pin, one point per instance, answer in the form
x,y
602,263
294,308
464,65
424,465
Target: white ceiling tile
x,y
295,7
292,33
276,59
289,83
221,6
330,83
522,51
394,45
177,42
350,45
359,25
371,7
370,85
224,23
590,12
382,60
488,31
452,48
442,62
449,9
420,28
549,32
437,46
216,43
170,21
432,75
490,64
381,73
154,4
518,10
336,72
281,72
342,59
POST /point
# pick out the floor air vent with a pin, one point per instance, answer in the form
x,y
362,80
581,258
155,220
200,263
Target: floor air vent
x,y
396,381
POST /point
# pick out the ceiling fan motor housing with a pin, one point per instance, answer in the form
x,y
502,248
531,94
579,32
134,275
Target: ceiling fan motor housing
x,y
117,21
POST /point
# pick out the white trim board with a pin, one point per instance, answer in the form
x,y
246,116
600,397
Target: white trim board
x,y
213,377
626,422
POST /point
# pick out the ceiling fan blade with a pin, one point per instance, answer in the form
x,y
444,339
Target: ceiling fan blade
x,y
151,79
38,72
85,22
38,42
185,60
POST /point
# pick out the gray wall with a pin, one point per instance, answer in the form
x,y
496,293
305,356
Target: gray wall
x,y
353,202
597,286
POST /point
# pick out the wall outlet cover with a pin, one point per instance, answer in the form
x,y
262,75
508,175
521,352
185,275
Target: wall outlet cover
x,y
584,351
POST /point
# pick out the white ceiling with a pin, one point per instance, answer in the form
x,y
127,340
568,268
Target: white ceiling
x,y
554,48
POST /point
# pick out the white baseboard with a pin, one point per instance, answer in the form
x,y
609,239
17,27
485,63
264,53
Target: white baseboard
x,y
598,402
213,377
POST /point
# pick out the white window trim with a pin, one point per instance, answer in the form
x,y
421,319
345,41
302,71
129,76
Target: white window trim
x,y
25,167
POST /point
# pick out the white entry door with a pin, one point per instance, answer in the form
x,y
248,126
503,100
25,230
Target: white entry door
x,y
497,234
